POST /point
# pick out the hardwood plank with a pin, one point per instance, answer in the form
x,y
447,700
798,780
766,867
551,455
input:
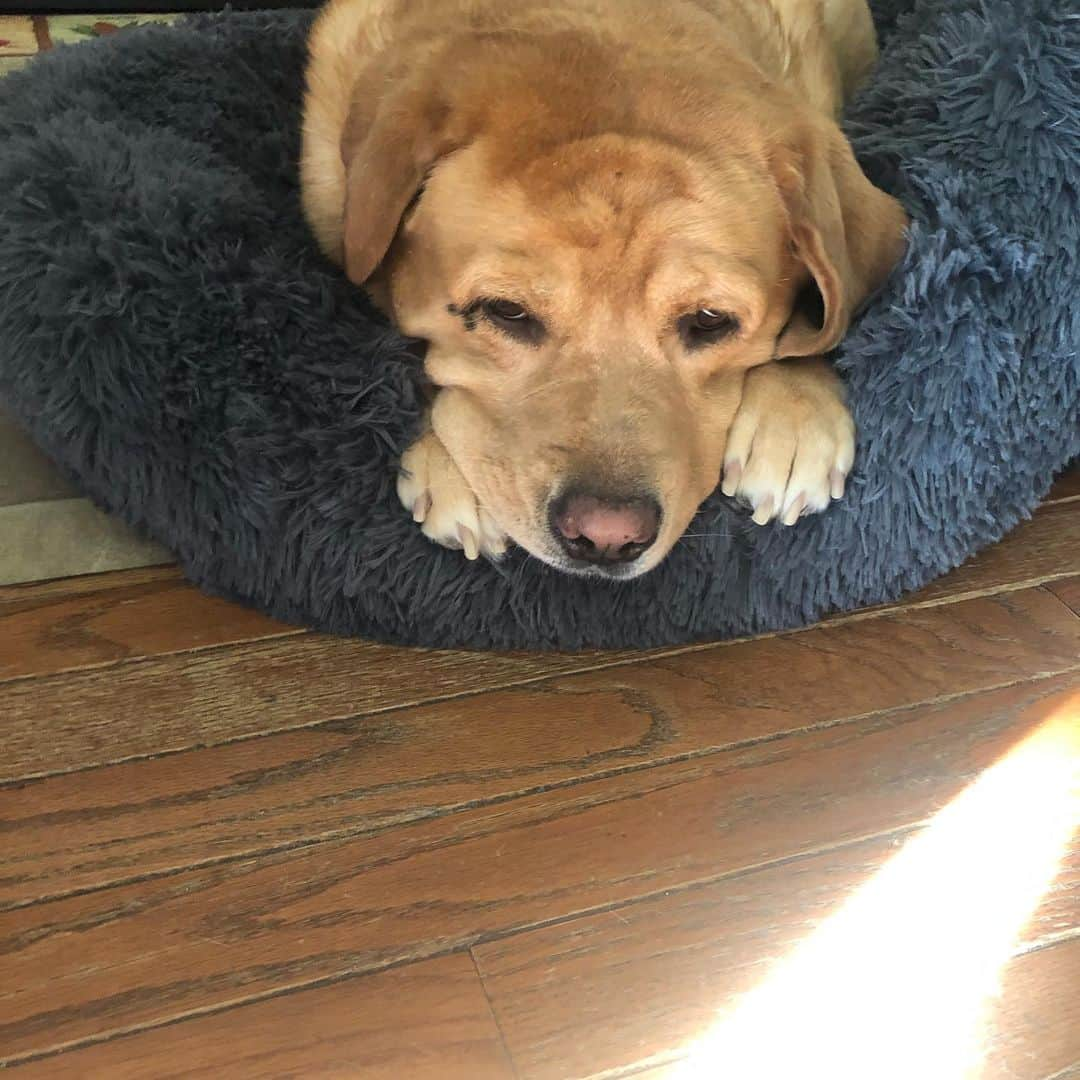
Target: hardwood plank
x,y
170,703
54,632
1034,1030
153,951
94,828
1068,592
1066,486
644,981
424,1021
900,650
1040,550
44,592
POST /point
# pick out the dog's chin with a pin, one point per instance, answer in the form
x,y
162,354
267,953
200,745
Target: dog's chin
x,y
626,572
580,569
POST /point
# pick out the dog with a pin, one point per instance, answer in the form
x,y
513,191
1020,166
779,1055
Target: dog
x,y
628,231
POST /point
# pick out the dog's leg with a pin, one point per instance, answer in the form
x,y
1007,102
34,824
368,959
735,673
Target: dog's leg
x,y
441,501
792,441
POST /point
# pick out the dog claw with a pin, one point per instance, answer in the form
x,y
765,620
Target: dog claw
x,y
421,507
763,511
794,511
468,543
732,475
836,484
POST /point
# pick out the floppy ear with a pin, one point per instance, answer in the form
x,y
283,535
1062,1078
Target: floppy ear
x,y
386,157
846,232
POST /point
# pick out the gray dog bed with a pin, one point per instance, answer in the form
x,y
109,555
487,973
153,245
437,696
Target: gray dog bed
x,y
170,336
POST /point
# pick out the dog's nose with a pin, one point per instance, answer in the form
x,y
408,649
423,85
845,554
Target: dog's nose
x,y
603,530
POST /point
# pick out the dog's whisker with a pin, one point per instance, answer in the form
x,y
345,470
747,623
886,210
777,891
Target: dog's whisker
x,y
547,387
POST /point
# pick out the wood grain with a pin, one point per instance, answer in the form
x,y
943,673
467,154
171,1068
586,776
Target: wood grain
x,y
54,631
425,1021
1043,549
1066,486
299,903
1068,592
44,592
100,715
90,829
645,980
1034,1032
148,953
899,650
169,703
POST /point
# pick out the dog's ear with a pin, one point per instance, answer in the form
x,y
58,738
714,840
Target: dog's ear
x,y
846,233
387,152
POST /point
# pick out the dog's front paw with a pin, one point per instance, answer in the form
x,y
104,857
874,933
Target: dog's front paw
x,y
792,442
443,504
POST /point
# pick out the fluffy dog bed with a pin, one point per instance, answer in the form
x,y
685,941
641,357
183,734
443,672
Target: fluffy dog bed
x,y
170,336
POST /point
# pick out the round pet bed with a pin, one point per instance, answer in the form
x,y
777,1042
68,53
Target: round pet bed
x,y
170,335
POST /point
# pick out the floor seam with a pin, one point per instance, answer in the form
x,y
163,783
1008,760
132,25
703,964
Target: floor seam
x,y
459,947
547,677
345,836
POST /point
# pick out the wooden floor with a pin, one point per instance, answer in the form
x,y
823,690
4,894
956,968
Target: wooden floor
x,y
234,849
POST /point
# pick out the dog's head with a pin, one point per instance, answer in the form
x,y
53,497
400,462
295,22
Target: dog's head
x,y
593,289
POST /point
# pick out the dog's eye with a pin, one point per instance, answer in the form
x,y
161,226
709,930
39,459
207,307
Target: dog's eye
x,y
705,327
507,310
709,321
513,319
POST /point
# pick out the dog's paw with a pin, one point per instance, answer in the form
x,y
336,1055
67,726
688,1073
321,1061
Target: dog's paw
x,y
443,504
792,442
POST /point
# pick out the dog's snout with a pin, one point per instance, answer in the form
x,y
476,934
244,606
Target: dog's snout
x,y
603,530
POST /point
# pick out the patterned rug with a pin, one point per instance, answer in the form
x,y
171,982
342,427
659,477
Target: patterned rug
x,y
23,36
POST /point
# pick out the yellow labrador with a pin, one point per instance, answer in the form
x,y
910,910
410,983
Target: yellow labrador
x,y
628,231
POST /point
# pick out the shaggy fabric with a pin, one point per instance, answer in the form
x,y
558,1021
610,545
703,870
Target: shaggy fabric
x,y
170,335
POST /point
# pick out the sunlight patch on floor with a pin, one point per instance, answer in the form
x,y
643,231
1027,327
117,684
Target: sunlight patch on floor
x,y
897,983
